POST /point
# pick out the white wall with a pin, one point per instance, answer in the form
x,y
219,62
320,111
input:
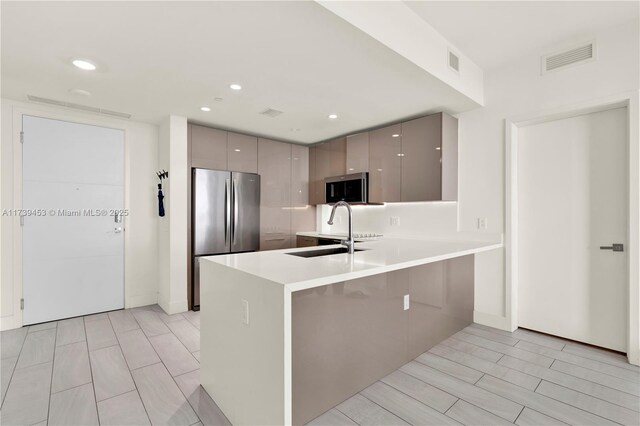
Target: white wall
x,y
141,157
395,25
515,89
172,229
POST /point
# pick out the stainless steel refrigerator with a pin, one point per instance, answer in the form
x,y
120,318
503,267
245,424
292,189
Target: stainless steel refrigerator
x,y
225,216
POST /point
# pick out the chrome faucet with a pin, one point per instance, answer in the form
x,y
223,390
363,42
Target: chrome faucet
x,y
349,243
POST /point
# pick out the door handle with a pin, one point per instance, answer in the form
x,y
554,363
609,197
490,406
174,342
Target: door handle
x,y
227,211
235,210
117,218
614,247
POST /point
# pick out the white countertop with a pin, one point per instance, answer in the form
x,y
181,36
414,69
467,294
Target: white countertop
x,y
380,256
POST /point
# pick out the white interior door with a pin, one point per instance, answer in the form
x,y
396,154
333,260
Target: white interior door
x,y
73,251
572,199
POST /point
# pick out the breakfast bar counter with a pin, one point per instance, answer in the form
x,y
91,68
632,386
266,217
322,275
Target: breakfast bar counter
x,y
285,337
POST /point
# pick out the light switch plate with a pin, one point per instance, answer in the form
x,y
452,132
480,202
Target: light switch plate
x,y
482,223
406,302
394,221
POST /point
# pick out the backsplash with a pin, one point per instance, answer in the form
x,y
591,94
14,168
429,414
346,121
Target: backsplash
x,y
432,219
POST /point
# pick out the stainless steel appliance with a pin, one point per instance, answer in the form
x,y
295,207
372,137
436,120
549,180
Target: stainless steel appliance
x,y
353,188
226,216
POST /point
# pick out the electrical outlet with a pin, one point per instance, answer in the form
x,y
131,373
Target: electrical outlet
x,y
245,312
482,223
406,302
394,221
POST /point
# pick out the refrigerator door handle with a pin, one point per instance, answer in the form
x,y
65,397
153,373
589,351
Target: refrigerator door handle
x,y
235,209
227,211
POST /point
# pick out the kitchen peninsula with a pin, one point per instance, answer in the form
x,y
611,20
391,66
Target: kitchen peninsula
x,y
285,337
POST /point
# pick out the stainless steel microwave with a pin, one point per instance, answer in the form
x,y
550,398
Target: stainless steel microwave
x,y
353,188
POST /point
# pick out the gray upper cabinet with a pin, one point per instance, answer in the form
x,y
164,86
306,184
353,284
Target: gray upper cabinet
x,y
385,164
430,159
358,153
242,153
338,157
421,159
325,160
208,148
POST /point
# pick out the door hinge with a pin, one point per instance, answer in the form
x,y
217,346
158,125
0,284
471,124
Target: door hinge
x,y
21,137
21,220
22,304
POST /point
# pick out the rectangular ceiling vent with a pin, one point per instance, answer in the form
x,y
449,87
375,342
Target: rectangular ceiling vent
x,y
454,61
78,106
583,53
270,112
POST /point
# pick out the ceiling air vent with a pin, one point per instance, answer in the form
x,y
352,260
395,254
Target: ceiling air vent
x,y
454,61
78,106
270,112
580,54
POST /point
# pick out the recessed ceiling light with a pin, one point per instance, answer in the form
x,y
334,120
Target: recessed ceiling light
x,y
218,99
395,135
400,155
205,108
84,64
333,116
236,150
235,86
437,148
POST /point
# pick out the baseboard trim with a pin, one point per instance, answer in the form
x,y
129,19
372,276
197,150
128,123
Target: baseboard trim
x,y
10,322
141,300
173,307
491,320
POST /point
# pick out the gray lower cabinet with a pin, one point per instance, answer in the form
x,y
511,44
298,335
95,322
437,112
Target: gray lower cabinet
x,y
304,241
348,335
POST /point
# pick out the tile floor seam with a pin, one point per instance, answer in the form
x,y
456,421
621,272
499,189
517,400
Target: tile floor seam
x,y
412,397
533,409
135,385
388,411
343,413
105,347
93,383
596,383
553,358
582,393
519,414
578,408
165,367
72,387
53,366
471,384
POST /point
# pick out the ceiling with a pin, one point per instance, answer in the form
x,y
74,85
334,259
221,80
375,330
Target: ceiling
x,y
161,58
493,33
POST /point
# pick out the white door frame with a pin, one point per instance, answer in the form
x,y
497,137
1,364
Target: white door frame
x,y
16,320
630,101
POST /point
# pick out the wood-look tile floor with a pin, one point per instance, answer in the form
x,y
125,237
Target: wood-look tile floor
x,y
131,367
484,376
140,366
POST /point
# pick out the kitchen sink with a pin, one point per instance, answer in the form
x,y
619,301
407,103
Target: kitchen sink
x,y
322,252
